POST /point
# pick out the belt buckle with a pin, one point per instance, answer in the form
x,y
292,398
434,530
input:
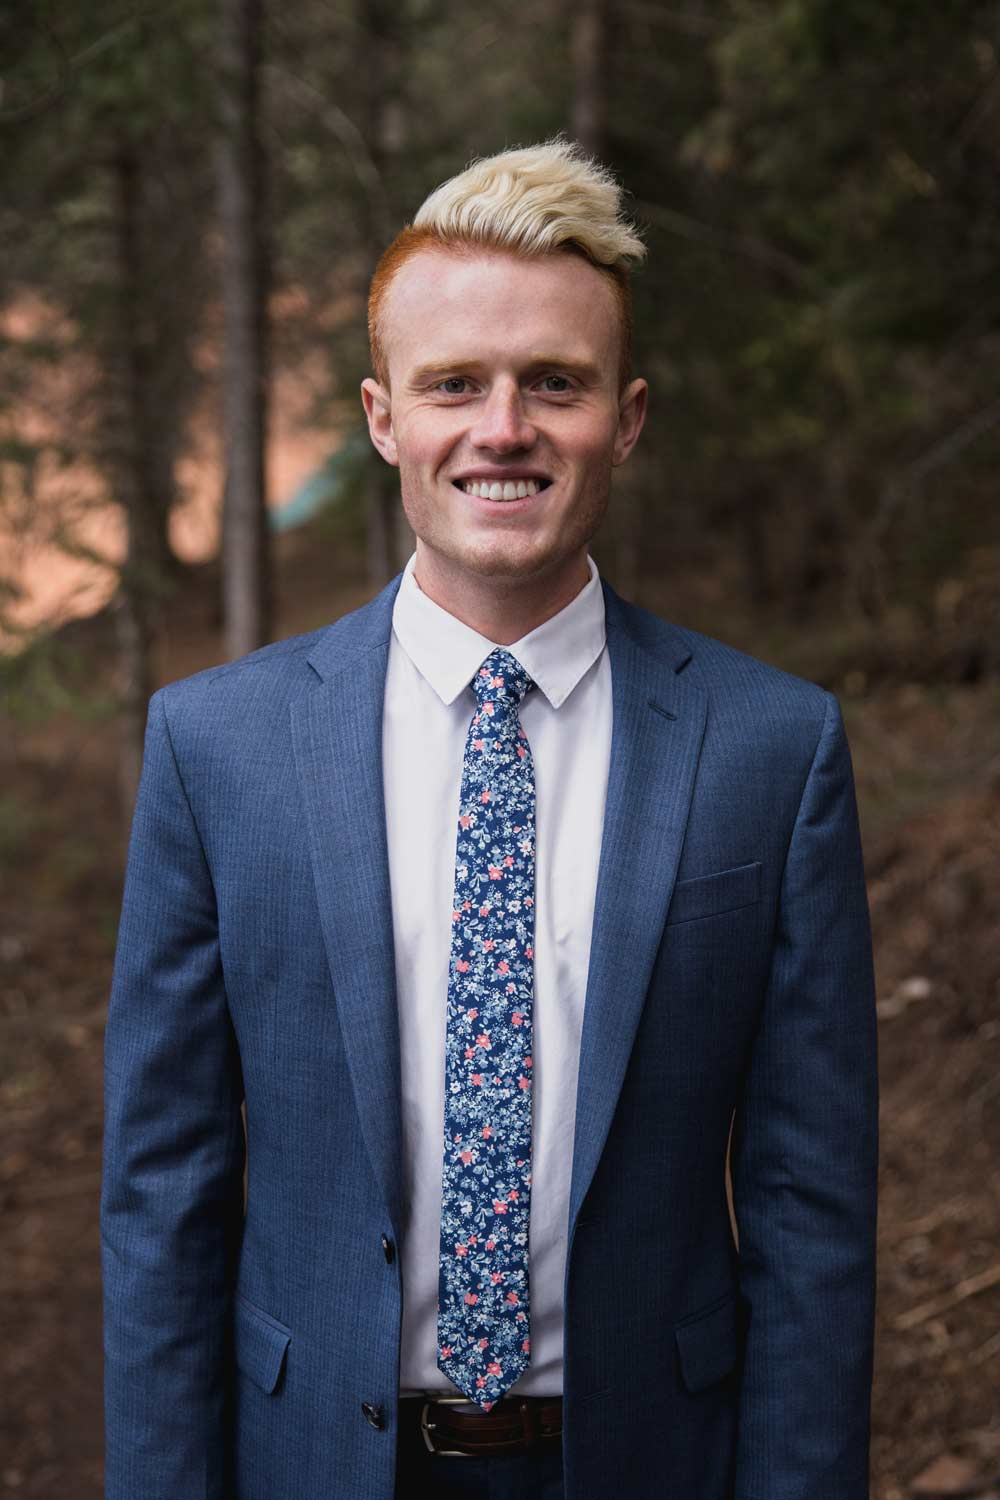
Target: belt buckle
x,y
426,1427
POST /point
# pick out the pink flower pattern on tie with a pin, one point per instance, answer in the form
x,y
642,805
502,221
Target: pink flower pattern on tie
x,y
484,1325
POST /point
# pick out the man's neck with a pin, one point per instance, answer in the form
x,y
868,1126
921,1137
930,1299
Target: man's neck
x,y
500,609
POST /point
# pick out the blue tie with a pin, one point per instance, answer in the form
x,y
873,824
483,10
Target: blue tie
x,y
484,1338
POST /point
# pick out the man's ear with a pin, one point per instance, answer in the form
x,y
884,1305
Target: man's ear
x,y
631,415
378,410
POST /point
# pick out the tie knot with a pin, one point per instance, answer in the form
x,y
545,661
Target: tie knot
x,y
501,679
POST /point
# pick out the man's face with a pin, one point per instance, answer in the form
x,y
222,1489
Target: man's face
x,y
503,371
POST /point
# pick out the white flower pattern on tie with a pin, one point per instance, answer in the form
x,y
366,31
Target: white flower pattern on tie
x,y
484,1328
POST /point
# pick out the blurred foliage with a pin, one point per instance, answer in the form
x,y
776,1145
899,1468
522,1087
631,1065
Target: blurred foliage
x,y
53,675
818,316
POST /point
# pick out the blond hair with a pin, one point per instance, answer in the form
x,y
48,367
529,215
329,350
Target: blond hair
x,y
535,199
532,200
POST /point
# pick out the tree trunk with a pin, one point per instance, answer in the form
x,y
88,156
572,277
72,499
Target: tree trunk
x,y
384,132
588,46
142,578
246,590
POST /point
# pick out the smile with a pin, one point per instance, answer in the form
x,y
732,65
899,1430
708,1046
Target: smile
x,y
508,489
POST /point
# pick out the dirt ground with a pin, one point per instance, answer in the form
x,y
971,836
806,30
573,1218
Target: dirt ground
x,y
927,762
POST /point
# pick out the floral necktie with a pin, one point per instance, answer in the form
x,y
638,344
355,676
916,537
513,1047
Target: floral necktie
x,y
484,1340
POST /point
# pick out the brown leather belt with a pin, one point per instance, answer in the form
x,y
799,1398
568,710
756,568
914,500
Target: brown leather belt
x,y
455,1427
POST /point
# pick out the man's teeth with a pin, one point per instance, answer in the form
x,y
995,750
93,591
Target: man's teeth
x,y
511,489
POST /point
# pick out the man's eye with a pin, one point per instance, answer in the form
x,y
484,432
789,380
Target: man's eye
x,y
561,389
452,381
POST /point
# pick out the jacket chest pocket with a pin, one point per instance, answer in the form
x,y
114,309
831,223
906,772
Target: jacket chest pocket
x,y
712,895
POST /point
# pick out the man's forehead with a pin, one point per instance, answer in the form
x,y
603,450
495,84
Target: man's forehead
x,y
469,303
442,275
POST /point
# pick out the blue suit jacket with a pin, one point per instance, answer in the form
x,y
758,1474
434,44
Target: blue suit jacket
x,y
730,984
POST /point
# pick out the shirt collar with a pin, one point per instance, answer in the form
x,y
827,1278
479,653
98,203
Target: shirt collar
x,y
447,652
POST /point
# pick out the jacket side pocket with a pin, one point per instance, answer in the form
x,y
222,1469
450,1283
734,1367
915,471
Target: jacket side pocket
x,y
259,1344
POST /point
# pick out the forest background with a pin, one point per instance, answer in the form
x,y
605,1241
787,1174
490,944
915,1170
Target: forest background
x,y
192,199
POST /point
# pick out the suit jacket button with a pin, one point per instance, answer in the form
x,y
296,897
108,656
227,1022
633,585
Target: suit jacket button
x,y
373,1414
389,1248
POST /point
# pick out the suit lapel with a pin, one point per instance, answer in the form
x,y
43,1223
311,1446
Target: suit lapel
x,y
337,739
658,726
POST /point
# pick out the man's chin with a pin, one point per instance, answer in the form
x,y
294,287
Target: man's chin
x,y
503,558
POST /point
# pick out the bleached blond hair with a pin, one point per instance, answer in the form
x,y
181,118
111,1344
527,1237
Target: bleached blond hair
x,y
535,199
532,200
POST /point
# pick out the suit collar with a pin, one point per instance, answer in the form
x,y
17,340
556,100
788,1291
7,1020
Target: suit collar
x,y
370,626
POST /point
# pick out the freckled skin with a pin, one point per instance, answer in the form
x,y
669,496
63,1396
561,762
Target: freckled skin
x,y
526,373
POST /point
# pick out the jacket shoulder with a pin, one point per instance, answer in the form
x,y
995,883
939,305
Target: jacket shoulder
x,y
270,660
777,718
719,666
246,691
277,670
725,667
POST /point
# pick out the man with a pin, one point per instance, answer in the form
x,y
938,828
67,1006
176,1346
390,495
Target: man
x,y
506,908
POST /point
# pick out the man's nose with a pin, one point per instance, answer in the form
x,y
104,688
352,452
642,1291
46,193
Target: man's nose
x,y
501,423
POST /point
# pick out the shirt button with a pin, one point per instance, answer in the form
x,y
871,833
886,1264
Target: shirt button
x,y
389,1248
373,1414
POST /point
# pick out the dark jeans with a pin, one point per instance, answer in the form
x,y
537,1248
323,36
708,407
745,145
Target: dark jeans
x,y
513,1476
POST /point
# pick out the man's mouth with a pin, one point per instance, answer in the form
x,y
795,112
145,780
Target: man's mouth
x,y
505,489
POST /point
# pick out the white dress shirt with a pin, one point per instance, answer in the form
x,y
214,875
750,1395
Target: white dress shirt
x,y
429,705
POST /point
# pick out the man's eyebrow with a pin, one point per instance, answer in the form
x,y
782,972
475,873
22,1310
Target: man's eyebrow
x,y
428,372
581,367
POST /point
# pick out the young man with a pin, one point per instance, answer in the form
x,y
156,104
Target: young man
x,y
503,904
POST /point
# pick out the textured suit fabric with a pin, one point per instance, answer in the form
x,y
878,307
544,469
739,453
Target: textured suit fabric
x,y
730,985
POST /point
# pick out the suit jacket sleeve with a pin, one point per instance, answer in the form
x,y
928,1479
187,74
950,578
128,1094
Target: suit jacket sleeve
x,y
804,1163
172,1200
